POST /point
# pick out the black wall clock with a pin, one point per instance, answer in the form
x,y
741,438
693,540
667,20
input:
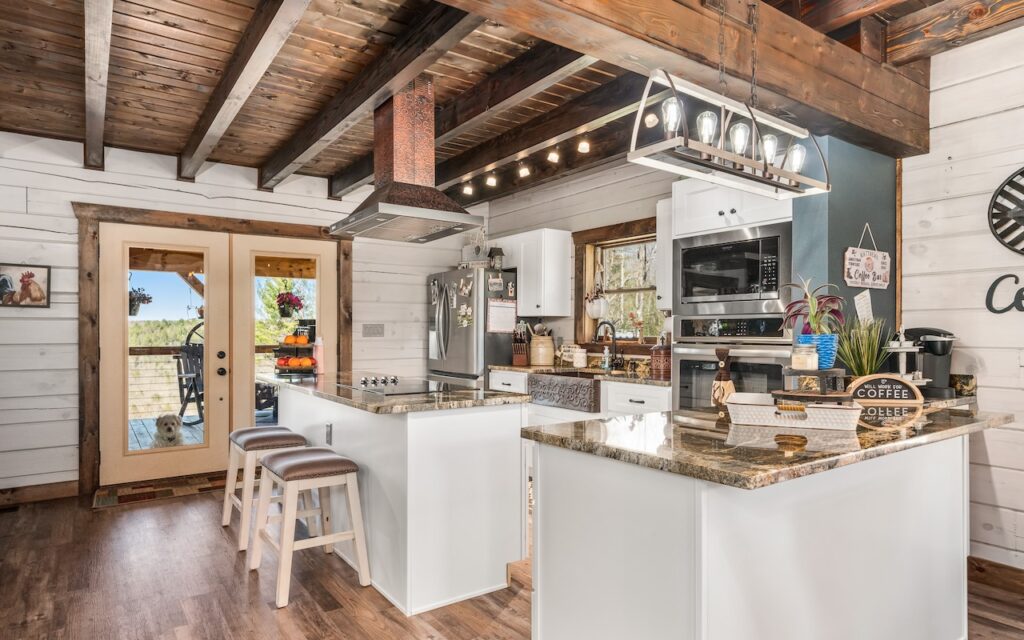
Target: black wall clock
x,y
1006,213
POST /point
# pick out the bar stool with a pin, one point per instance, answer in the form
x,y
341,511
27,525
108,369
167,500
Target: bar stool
x,y
245,449
295,471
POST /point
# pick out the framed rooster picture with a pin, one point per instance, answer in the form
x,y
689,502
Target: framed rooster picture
x,y
23,285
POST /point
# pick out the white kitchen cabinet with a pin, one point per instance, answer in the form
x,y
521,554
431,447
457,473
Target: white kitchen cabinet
x,y
509,381
663,256
701,207
542,259
628,398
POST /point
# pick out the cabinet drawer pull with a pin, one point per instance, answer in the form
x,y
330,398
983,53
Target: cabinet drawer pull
x,y
637,401
506,384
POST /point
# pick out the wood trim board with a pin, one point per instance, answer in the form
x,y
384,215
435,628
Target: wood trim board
x,y
38,493
89,218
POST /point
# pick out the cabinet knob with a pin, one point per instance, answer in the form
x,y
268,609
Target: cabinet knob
x,y
538,306
221,355
222,371
721,212
732,210
659,297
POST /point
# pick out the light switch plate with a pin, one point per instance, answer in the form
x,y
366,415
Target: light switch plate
x,y
373,330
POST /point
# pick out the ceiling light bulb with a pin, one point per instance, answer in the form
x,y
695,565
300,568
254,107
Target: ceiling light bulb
x,y
770,147
739,135
491,181
707,125
524,171
797,155
583,147
651,120
672,114
553,156
467,189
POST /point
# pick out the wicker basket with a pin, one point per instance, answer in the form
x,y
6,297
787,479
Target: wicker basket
x,y
760,409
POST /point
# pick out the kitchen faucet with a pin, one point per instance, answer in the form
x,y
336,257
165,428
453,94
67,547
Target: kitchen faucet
x,y
615,346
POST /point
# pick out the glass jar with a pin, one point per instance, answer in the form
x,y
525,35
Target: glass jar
x,y
805,357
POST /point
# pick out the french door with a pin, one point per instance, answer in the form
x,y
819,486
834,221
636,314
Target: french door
x,y
186,322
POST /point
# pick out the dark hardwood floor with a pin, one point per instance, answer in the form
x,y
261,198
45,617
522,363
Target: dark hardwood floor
x,y
166,569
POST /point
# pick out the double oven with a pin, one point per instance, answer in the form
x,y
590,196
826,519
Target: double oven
x,y
729,303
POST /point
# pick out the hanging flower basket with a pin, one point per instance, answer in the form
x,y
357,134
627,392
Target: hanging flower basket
x,y
136,298
288,303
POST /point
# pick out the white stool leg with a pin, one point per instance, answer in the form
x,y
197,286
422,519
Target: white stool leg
x,y
229,484
356,518
262,516
325,515
306,503
284,563
248,486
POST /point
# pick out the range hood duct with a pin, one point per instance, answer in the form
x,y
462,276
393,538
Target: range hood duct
x,y
405,206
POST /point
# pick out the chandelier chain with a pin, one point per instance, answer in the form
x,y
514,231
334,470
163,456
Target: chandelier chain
x,y
721,47
753,53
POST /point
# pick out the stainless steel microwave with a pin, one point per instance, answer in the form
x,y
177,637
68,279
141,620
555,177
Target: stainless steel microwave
x,y
735,272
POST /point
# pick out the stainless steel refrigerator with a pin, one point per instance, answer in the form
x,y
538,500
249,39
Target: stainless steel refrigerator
x,y
460,346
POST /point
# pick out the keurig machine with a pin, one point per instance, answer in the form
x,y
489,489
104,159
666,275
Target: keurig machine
x,y
934,359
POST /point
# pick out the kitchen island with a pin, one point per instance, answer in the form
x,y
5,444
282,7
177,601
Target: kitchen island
x,y
677,525
439,480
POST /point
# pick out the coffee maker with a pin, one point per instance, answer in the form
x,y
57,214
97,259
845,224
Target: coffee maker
x,y
934,359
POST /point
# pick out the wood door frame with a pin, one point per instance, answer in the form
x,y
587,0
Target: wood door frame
x,y
89,218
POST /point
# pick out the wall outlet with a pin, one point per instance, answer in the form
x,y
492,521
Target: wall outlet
x,y
373,330
329,434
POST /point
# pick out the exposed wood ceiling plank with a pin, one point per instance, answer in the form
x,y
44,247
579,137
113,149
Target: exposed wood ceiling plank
x,y
525,76
266,33
586,113
829,16
438,30
949,24
804,75
872,38
98,22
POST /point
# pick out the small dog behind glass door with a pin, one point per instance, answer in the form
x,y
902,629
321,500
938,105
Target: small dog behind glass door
x,y
168,431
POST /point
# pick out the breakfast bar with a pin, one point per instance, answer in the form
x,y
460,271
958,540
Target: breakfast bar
x,y
774,534
439,479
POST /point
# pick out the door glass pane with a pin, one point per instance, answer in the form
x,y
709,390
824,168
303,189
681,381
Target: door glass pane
x,y
165,348
285,325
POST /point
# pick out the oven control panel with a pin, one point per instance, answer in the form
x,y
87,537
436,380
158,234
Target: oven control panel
x,y
769,265
769,327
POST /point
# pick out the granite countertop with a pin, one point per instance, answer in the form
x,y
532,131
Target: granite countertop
x,y
695,444
331,387
600,374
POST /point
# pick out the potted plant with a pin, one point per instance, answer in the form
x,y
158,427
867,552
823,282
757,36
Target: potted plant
x,y
862,346
597,305
288,303
137,297
821,314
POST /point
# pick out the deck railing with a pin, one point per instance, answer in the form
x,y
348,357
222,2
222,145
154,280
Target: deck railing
x,y
153,379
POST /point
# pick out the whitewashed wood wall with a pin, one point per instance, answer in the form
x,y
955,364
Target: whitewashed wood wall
x,y
593,199
39,179
951,258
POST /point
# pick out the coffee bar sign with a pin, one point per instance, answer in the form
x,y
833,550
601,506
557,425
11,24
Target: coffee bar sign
x,y
867,268
885,389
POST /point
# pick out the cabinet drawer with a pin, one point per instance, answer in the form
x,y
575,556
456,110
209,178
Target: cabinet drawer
x,y
631,398
511,381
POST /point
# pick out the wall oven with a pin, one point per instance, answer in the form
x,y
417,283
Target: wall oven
x,y
758,348
740,271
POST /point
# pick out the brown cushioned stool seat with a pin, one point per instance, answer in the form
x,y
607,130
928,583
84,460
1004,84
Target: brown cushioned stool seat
x,y
313,462
258,438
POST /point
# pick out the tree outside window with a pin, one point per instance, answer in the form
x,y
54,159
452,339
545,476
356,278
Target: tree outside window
x,y
627,272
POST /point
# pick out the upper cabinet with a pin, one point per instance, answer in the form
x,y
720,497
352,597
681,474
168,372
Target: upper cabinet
x,y
663,255
543,262
700,207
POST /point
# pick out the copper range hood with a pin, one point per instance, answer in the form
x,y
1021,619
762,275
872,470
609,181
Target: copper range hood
x,y
405,206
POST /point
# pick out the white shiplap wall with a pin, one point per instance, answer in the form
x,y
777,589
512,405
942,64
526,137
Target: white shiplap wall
x,y
39,179
593,199
951,258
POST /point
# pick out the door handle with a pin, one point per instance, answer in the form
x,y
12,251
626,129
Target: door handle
x,y
222,371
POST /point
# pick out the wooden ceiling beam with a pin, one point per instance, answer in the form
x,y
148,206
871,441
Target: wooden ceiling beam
x,y
587,112
98,24
829,16
949,24
431,35
267,31
527,75
803,75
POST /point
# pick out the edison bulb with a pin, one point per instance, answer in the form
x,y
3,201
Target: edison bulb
x,y
707,125
770,147
797,156
672,115
739,136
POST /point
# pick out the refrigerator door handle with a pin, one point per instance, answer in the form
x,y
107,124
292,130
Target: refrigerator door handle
x,y
447,318
442,323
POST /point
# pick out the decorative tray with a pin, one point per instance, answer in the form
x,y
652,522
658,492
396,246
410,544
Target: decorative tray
x,y
760,409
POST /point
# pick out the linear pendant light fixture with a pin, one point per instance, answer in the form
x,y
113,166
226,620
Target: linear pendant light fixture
x,y
742,153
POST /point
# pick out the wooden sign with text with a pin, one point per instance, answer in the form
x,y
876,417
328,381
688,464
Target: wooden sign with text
x,y
885,389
